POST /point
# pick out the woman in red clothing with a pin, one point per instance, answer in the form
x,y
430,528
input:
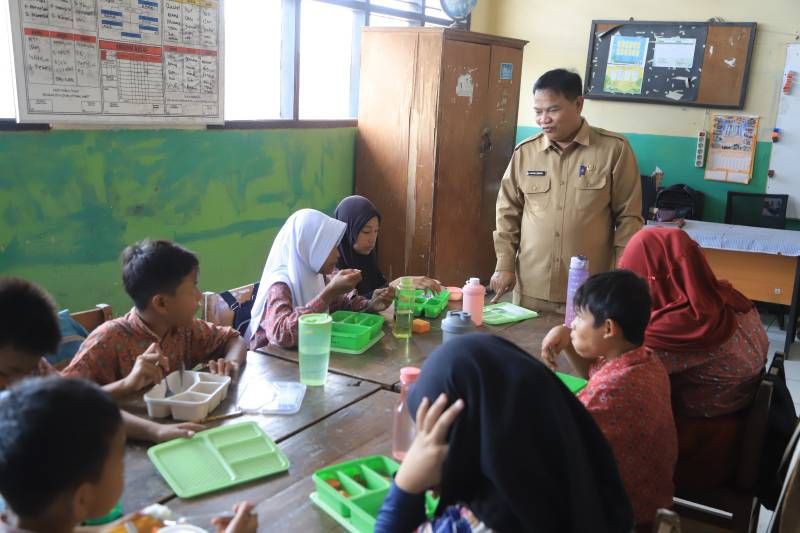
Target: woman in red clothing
x,y
710,338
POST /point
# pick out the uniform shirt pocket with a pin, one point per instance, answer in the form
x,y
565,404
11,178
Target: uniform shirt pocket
x,y
537,192
592,192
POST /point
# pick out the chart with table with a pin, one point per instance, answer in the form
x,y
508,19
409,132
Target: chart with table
x,y
118,60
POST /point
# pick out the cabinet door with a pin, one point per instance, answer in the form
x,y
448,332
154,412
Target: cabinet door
x,y
501,124
463,99
385,96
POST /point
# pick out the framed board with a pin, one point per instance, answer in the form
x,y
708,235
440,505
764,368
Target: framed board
x,y
118,61
703,64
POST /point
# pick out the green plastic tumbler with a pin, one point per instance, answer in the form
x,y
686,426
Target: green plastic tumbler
x,y
314,347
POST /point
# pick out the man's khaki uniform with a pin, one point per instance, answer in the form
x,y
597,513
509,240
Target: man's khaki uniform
x,y
554,203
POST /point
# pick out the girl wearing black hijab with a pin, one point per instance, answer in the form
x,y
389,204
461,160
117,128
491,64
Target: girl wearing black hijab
x,y
515,448
357,250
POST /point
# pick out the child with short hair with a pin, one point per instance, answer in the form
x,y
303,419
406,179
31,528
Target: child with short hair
x,y
53,477
29,330
628,392
136,351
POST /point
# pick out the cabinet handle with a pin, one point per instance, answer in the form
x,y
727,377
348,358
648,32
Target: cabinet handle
x,y
486,142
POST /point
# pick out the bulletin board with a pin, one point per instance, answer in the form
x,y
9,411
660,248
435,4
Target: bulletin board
x,y
703,64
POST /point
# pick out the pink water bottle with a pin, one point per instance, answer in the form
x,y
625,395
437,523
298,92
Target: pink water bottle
x,y
474,294
578,274
403,429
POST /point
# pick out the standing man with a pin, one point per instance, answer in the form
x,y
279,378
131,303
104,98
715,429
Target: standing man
x,y
571,190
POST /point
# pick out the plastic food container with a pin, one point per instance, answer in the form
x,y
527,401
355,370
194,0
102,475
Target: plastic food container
x,y
354,333
199,394
352,493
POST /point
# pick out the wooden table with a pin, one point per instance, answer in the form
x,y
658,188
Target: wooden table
x,y
381,364
363,428
143,485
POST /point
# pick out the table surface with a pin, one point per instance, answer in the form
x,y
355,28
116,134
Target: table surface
x,y
350,417
143,484
381,364
361,429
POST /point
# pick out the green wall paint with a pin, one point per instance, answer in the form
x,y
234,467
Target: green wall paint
x,y
675,156
71,200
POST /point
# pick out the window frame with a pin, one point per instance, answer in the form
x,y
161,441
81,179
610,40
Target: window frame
x,y
290,66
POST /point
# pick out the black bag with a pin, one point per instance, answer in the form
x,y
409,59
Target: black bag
x,y
781,424
241,310
685,201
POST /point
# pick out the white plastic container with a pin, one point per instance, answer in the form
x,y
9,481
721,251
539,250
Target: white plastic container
x,y
200,394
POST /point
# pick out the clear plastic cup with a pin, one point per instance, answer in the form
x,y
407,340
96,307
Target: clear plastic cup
x,y
314,347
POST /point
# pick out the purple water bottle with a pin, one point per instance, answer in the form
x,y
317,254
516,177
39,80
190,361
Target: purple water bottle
x,y
578,273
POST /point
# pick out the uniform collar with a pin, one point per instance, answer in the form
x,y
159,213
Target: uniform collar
x,y
582,138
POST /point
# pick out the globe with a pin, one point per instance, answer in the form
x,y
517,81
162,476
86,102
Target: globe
x,y
458,9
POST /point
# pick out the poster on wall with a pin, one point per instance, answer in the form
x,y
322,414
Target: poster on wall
x,y
732,148
625,68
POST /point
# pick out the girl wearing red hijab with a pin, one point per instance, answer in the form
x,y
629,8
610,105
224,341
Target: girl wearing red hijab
x,y
712,342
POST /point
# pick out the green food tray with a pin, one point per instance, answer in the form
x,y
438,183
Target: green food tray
x,y
361,350
354,332
505,313
430,306
574,384
217,459
367,481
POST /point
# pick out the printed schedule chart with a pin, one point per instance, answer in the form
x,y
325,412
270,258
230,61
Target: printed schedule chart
x,y
118,60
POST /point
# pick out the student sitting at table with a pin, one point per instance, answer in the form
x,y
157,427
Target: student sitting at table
x,y
29,330
358,250
62,448
628,392
293,281
161,332
514,451
712,342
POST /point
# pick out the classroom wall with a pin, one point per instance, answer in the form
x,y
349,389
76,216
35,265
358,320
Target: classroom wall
x,y
71,200
662,135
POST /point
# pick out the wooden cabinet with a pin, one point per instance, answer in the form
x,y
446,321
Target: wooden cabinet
x,y
436,129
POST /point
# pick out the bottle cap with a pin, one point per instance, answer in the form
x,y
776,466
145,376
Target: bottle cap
x,y
578,261
408,374
474,281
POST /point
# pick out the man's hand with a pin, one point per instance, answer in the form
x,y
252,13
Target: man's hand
x,y
502,282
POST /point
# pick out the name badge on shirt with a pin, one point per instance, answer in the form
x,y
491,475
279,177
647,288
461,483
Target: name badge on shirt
x,y
537,173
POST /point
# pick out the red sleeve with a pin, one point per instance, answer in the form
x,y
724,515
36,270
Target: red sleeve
x,y
209,341
279,320
351,301
95,360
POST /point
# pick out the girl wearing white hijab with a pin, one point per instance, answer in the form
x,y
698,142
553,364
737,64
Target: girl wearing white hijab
x,y
293,281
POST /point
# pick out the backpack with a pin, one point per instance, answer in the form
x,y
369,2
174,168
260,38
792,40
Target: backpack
x,y
241,310
682,199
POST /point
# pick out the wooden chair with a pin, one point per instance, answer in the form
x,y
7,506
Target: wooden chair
x,y
91,318
666,522
736,505
217,311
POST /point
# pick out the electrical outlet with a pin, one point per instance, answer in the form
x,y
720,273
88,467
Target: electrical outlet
x,y
700,153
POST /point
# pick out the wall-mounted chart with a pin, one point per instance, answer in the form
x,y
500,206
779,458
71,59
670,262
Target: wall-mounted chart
x,y
118,61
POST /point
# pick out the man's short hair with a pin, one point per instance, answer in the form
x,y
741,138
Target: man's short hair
x,y
560,81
